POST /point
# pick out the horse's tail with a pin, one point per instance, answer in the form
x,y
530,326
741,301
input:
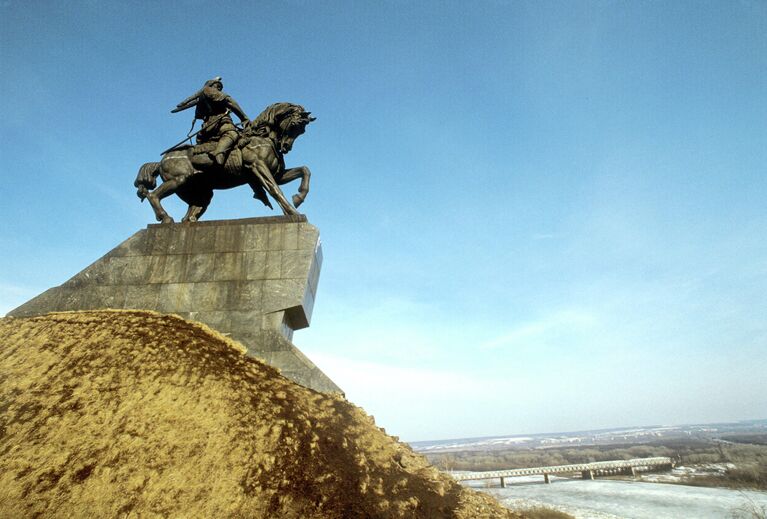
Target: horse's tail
x,y
146,180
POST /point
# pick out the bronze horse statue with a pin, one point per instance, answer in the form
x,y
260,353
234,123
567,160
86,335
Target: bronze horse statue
x,y
257,160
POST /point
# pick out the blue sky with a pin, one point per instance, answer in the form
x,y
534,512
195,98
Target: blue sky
x,y
536,216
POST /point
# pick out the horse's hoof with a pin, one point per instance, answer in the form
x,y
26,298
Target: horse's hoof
x,y
167,219
297,200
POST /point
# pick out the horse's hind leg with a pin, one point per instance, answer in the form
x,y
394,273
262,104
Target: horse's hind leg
x,y
193,213
166,188
290,175
197,196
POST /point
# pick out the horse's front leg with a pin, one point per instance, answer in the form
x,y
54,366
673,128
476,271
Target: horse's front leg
x,y
290,175
264,176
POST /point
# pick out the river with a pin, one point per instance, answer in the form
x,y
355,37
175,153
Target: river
x,y
614,499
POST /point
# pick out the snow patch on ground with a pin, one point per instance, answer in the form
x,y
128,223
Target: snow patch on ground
x,y
520,505
682,473
615,499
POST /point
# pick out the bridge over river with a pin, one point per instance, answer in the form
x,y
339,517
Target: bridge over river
x,y
587,470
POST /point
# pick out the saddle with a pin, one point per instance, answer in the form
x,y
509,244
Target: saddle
x,y
233,162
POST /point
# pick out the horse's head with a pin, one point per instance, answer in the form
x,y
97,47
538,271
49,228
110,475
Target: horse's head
x,y
283,123
292,126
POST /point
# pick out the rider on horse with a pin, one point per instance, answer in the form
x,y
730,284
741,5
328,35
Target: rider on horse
x,y
213,107
265,141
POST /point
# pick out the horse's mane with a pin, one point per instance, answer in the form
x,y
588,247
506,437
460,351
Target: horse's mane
x,y
270,118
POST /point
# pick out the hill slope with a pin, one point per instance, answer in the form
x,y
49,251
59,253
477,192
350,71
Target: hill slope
x,y
129,413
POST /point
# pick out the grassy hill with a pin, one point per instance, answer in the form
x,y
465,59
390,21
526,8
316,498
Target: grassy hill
x,y
138,414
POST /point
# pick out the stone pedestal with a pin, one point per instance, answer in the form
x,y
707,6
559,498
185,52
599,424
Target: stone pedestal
x,y
254,279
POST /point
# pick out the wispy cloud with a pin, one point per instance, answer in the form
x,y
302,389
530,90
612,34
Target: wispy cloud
x,y
392,329
364,376
551,327
418,402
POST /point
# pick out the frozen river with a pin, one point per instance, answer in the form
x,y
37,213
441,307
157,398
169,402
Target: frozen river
x,y
611,499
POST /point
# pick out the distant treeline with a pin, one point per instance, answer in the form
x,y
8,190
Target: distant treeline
x,y
755,439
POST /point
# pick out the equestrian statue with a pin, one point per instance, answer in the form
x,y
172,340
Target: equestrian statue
x,y
227,156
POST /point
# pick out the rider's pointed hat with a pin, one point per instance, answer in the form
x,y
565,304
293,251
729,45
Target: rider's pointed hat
x,y
193,99
213,81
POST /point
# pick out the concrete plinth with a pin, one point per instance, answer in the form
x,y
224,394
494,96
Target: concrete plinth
x,y
254,279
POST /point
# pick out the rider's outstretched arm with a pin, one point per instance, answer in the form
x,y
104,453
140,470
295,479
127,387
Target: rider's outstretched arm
x,y
234,107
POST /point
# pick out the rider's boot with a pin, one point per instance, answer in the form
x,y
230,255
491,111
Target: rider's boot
x,y
223,146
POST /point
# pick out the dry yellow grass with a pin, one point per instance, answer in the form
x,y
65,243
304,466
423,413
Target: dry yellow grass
x,y
138,414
